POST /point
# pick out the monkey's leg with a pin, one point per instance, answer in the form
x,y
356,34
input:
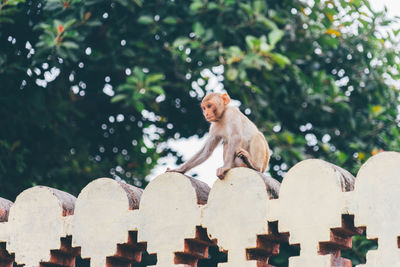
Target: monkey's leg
x,y
258,153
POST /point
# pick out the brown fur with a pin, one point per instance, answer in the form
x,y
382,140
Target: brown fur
x,y
244,144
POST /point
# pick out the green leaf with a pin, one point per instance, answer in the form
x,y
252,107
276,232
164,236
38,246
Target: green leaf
x,y
196,5
94,23
232,74
14,2
395,131
125,87
139,3
62,52
247,8
40,44
71,34
181,41
259,6
157,89
342,157
124,3
6,20
118,98
198,29
91,2
139,106
128,52
280,59
266,22
252,60
155,77
275,36
289,137
145,20
196,44
52,5
57,23
72,56
132,79
70,45
138,74
229,2
235,50
170,20
212,6
209,35
378,110
265,48
69,23
250,41
9,11
332,42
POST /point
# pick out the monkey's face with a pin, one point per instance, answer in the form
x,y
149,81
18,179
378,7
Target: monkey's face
x,y
209,111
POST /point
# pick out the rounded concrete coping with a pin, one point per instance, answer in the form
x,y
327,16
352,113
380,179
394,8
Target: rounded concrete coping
x,y
104,214
37,222
5,206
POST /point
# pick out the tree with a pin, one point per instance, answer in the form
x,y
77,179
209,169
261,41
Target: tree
x,y
95,87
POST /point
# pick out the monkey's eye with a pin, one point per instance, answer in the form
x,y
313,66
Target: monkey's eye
x,y
208,106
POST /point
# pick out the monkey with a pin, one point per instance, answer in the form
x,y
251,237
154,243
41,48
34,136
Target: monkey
x,y
243,144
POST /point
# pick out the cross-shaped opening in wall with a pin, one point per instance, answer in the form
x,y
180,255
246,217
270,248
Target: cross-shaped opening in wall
x,y
64,256
200,251
268,250
132,254
6,259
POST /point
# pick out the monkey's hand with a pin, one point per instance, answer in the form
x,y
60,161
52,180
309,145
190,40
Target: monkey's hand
x,y
221,172
179,170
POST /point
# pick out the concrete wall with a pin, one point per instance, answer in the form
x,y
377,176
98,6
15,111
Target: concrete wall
x,y
179,219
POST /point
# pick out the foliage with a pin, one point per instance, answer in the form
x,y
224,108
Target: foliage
x,y
360,246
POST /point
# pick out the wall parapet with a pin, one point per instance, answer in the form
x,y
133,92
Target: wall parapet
x,y
181,220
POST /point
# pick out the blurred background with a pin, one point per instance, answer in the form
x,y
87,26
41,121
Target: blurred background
x,y
99,88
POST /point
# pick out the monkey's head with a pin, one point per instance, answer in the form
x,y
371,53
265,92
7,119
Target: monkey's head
x,y
213,106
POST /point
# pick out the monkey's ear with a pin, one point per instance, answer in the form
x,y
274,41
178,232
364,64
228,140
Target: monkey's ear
x,y
225,98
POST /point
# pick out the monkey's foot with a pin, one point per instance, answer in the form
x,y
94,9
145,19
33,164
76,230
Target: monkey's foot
x,y
221,172
243,154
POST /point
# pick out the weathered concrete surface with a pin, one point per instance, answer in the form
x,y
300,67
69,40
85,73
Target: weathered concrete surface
x,y
169,213
237,212
180,218
105,211
311,202
36,222
6,260
5,206
376,206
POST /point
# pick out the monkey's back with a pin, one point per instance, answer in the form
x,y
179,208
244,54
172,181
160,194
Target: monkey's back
x,y
250,134
247,127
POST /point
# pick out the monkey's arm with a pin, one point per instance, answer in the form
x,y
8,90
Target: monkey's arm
x,y
201,156
233,145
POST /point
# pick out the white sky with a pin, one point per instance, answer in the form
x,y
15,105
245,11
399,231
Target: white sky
x,y
392,5
188,147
